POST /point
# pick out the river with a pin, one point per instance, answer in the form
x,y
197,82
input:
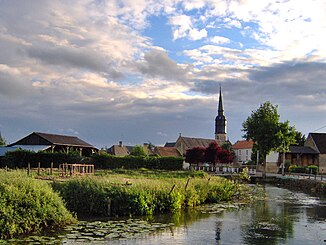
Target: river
x,y
284,217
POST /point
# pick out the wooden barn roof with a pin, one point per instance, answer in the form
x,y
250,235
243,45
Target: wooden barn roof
x,y
302,150
56,139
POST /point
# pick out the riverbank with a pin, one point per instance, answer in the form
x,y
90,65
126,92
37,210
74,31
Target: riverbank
x,y
30,205
307,185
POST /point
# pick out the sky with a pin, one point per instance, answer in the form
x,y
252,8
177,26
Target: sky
x,y
142,71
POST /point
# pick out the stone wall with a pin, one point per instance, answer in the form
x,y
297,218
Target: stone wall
x,y
305,185
322,163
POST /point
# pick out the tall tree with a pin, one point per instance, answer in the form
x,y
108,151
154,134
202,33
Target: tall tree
x,y
286,136
264,128
300,138
2,140
138,150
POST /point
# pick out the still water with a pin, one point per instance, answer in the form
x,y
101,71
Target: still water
x,y
284,217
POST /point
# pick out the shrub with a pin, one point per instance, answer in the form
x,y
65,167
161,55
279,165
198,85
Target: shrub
x,y
135,162
28,205
304,169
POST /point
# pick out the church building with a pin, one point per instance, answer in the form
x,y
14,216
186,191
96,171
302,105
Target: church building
x,y
220,122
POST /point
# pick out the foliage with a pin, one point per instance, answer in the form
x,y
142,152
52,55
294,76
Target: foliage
x,y
135,162
264,128
135,194
300,138
212,154
285,136
195,155
28,205
138,150
21,158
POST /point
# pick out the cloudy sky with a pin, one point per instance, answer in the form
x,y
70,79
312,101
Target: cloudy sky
x,y
147,70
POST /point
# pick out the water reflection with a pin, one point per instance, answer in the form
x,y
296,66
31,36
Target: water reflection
x,y
285,217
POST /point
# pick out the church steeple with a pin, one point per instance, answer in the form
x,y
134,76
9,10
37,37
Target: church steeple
x,y
220,104
220,121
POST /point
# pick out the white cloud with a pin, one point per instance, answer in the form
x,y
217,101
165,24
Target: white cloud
x,y
219,40
195,34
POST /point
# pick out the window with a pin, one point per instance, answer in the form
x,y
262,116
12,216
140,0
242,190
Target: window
x,y
239,152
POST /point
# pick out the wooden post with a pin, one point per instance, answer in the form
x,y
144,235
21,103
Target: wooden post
x,y
39,168
172,189
28,169
51,169
187,183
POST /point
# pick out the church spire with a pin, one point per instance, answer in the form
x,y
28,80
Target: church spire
x,y
220,104
220,121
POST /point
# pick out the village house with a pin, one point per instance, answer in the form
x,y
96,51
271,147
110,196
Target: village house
x,y
121,150
317,141
242,150
185,143
37,141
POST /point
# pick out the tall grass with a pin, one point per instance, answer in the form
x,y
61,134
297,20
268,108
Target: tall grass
x,y
137,194
28,205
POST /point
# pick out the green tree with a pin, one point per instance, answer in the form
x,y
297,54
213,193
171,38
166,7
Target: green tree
x,y
300,138
264,128
138,150
286,136
2,140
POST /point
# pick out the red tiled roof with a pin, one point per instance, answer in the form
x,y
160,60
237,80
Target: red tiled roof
x,y
243,144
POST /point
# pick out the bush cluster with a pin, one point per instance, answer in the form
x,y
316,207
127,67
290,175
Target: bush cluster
x,y
313,169
28,205
136,162
21,158
99,196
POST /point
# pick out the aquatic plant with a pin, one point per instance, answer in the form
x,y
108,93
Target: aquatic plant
x,y
121,195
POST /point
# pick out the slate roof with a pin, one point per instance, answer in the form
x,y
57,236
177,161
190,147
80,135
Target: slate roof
x,y
302,150
167,151
243,144
194,142
120,150
169,144
320,141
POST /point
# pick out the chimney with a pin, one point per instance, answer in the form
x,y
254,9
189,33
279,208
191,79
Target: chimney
x,y
120,143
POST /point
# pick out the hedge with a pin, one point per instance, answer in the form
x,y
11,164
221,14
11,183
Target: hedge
x,y
304,169
21,158
136,162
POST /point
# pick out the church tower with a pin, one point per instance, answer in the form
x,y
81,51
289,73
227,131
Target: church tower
x,y
220,122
